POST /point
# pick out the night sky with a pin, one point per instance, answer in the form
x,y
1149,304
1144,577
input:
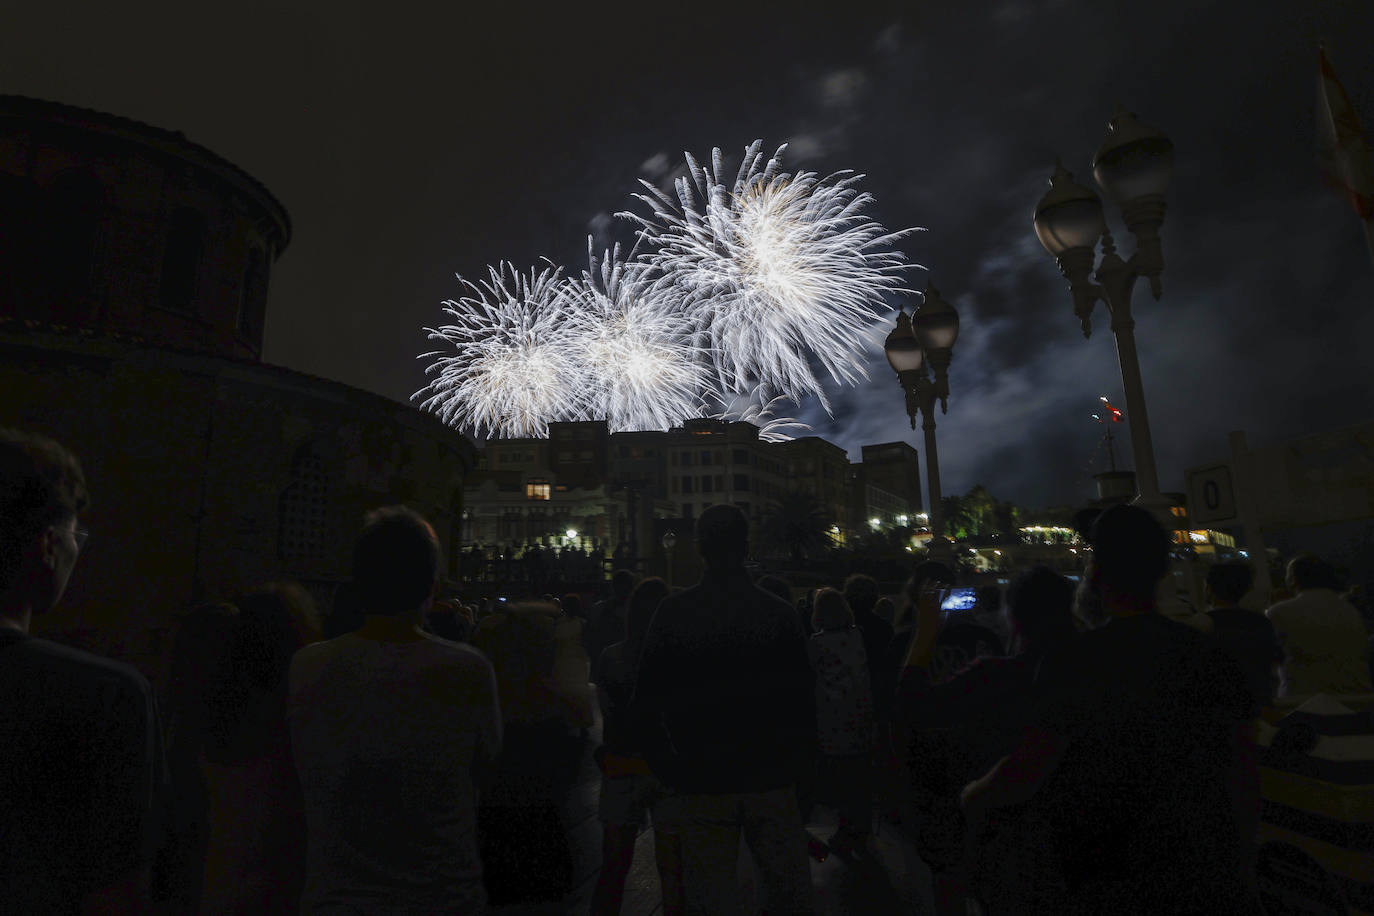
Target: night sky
x,y
410,143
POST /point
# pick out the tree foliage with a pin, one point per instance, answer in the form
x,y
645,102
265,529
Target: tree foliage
x,y
981,518
799,524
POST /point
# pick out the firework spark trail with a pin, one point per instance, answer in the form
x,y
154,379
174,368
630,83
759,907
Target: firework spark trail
x,y
775,271
509,375
641,369
756,408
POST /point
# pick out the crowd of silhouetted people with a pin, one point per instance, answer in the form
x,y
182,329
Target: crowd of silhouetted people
x,y
406,754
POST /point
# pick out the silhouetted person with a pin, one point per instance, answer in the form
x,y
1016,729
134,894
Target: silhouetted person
x,y
573,608
387,727
1140,759
963,726
725,700
929,573
628,789
525,847
861,593
82,774
992,692
1248,637
844,717
199,665
608,615
573,668
1322,634
256,840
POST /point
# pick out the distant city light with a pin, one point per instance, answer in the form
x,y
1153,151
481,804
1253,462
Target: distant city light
x,y
901,519
875,522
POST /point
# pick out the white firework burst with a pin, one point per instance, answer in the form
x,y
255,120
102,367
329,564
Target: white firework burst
x,y
641,370
508,374
774,271
757,408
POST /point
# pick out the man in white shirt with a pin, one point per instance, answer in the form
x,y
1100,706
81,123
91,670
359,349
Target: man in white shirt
x,y
388,725
1323,636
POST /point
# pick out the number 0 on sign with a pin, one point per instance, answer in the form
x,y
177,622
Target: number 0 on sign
x,y
1211,496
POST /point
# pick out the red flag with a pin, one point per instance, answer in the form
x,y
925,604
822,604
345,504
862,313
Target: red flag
x,y
1342,148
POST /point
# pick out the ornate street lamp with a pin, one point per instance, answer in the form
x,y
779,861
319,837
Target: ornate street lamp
x,y
1133,167
926,338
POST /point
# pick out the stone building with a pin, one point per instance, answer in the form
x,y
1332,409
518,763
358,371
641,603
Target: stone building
x,y
133,295
625,490
885,489
820,469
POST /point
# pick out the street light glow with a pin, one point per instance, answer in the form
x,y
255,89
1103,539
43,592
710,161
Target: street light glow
x,y
572,532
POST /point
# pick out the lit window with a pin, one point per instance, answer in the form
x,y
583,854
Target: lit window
x,y
537,488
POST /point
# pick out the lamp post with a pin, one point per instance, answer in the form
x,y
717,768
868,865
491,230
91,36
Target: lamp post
x,y
926,338
1133,167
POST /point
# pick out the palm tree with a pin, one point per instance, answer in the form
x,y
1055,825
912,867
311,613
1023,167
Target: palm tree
x,y
799,523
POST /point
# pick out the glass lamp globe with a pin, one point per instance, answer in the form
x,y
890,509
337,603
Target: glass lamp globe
x,y
936,323
1069,215
1134,161
902,348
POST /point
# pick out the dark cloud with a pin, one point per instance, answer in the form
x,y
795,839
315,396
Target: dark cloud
x,y
413,143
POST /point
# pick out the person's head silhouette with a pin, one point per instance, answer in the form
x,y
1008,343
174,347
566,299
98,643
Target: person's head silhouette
x,y
42,490
1040,606
1308,570
723,537
1130,556
1227,583
395,562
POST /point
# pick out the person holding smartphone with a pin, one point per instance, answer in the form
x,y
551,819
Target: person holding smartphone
x,y
963,725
